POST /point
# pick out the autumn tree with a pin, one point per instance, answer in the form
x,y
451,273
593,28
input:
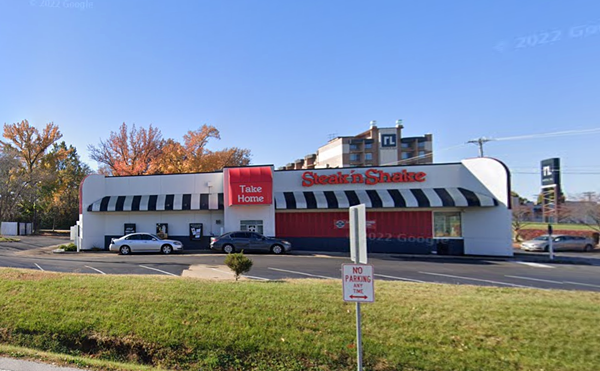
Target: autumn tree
x,y
10,186
193,155
145,152
61,197
29,150
129,152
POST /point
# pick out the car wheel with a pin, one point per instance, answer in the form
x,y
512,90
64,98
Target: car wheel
x,y
277,249
166,249
228,249
588,248
125,250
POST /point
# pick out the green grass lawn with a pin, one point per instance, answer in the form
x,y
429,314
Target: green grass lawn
x,y
189,324
563,227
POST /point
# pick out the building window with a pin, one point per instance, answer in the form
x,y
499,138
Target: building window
x,y
421,144
447,224
368,145
405,145
421,153
251,225
353,147
355,157
368,156
406,155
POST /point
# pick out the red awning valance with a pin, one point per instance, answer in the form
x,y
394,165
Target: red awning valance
x,y
250,185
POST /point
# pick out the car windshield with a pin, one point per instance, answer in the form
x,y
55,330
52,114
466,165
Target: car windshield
x,y
541,238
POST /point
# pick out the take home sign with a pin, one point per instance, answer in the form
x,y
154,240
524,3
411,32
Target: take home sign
x,y
250,186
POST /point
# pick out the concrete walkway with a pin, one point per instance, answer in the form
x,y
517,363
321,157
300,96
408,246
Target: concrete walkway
x,y
8,364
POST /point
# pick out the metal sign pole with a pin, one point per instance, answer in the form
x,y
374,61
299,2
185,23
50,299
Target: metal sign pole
x,y
358,319
550,245
358,339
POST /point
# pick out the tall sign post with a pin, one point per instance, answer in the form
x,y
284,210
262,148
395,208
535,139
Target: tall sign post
x,y
357,278
550,169
550,242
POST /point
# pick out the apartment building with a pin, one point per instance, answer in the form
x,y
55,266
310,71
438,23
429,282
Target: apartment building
x,y
374,147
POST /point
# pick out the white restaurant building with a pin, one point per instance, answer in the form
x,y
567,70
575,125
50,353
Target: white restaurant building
x,y
456,208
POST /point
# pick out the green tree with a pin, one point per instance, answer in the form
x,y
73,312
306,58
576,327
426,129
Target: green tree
x,y
61,196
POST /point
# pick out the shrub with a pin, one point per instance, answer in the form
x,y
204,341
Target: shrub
x,y
68,247
238,263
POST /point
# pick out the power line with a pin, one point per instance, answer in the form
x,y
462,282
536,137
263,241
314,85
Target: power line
x,y
481,141
554,134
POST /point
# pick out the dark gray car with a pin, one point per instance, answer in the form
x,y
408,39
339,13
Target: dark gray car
x,y
249,241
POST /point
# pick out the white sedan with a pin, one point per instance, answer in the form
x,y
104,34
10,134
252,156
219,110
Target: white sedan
x,y
143,242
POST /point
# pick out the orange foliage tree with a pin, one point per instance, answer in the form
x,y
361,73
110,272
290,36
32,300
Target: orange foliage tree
x,y
153,155
129,152
33,169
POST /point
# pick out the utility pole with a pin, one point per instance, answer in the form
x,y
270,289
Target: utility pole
x,y
480,143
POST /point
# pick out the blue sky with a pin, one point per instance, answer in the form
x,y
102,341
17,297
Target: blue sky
x,y
279,77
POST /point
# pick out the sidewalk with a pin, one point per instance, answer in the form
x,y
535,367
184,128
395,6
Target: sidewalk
x,y
9,364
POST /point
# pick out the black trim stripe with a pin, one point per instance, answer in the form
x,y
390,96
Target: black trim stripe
x,y
186,202
169,200
120,203
290,200
397,197
375,199
135,204
447,200
332,202
472,199
166,202
422,199
384,198
221,202
152,203
204,201
352,198
311,201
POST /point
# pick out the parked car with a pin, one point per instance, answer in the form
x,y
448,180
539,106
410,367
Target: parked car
x,y
560,242
144,242
249,241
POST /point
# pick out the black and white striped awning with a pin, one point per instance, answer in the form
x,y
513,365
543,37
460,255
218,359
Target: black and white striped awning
x,y
383,198
175,202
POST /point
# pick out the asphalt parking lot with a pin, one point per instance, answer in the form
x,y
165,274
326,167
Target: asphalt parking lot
x,y
570,271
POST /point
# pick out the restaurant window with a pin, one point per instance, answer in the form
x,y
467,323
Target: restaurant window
x,y
447,224
251,225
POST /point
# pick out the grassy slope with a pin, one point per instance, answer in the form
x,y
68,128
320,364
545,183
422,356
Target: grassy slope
x,y
178,323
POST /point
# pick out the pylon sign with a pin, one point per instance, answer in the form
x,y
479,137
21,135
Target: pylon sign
x,y
550,172
550,169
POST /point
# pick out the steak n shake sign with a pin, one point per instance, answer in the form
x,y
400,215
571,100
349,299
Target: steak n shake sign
x,y
250,185
369,177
